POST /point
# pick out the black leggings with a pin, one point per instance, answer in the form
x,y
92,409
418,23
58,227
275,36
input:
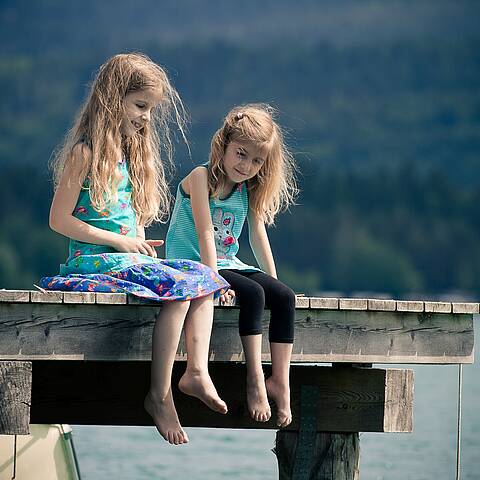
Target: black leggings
x,y
255,291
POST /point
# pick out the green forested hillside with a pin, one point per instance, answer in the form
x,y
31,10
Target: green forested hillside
x,y
357,106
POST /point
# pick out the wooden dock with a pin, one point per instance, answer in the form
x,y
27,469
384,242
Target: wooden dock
x,y
84,358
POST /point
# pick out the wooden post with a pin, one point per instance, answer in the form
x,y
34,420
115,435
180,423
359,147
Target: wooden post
x,y
15,397
334,456
306,454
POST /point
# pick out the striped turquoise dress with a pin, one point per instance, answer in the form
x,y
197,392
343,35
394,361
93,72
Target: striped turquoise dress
x,y
228,217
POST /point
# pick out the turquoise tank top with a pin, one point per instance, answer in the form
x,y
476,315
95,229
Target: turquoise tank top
x,y
118,217
228,217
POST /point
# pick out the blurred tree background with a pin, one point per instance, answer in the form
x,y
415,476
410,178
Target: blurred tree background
x,y
381,102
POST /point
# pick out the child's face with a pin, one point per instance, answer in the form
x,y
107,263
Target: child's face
x,y
242,161
138,106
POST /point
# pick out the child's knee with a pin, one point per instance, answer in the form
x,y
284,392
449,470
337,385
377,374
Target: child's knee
x,y
285,297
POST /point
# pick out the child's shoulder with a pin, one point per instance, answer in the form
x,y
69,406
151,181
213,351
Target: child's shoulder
x,y
197,178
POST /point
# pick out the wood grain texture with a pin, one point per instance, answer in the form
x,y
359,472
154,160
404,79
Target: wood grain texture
x,y
382,305
351,399
46,297
409,306
373,304
13,296
111,298
302,302
398,400
465,308
353,304
324,303
334,456
438,307
78,297
15,397
123,332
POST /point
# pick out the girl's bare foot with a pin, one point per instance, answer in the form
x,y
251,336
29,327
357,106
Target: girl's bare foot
x,y
165,418
257,400
200,385
279,392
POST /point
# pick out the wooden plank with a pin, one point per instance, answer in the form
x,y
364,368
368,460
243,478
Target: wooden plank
x,y
78,297
398,401
13,296
324,303
409,306
333,456
111,298
46,297
438,307
382,305
353,304
302,302
465,308
31,331
15,397
351,399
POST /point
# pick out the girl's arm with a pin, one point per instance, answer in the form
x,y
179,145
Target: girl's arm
x,y
64,201
196,185
260,244
140,232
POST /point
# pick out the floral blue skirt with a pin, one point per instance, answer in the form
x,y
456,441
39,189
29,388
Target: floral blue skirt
x,y
159,280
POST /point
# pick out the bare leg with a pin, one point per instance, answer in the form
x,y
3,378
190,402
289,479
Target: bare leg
x,y
196,380
159,400
256,392
278,385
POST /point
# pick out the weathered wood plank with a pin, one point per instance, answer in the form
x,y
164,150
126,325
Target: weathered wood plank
x,y
351,399
398,400
324,303
107,332
78,297
13,296
382,305
302,302
409,306
111,298
46,297
465,308
438,307
15,398
334,456
353,304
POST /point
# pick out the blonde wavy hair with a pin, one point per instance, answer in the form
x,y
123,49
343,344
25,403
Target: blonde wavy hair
x,y
274,188
149,150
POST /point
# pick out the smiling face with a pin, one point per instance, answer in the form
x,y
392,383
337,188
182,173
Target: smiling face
x,y
242,161
138,106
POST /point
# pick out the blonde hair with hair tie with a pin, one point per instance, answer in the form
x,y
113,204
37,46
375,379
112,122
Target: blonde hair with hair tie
x,y
149,151
274,188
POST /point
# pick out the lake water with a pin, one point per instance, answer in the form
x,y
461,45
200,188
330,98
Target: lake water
x,y
133,453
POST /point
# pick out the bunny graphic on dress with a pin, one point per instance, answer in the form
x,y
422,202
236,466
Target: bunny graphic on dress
x,y
222,230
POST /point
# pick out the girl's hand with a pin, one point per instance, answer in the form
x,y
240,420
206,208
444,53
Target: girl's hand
x,y
138,245
228,297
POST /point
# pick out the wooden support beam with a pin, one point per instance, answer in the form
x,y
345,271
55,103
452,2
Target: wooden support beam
x,y
85,331
334,456
111,393
15,388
